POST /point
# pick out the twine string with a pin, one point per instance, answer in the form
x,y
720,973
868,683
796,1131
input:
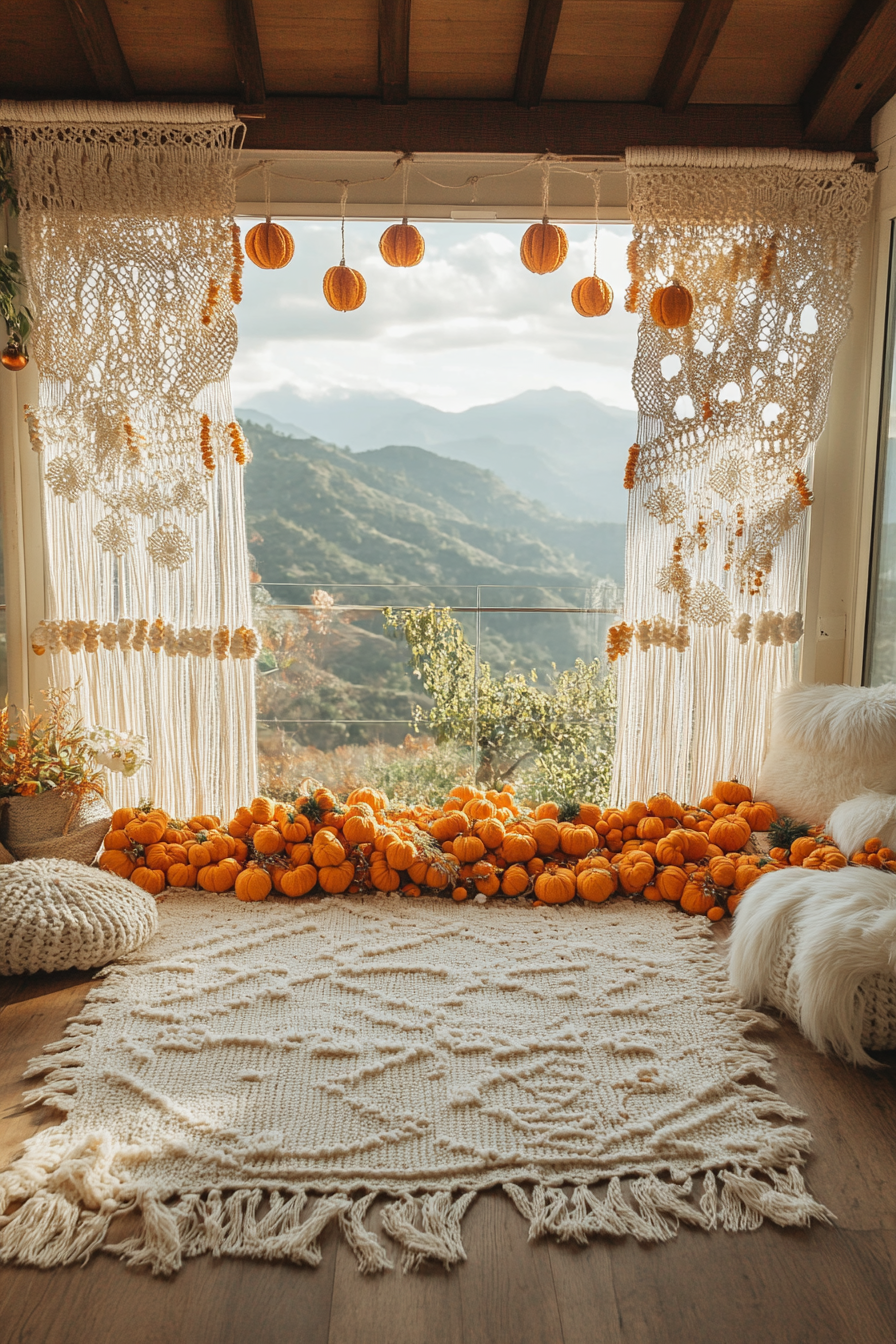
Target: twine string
x,y
342,204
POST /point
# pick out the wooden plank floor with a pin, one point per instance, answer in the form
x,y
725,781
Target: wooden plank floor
x,y
832,1285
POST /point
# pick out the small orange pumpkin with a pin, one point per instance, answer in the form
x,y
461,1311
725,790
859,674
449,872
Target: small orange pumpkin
x,y
268,840
547,836
219,877
592,297
722,871
253,884
344,288
182,875
636,869
730,833
372,797
555,888
117,861
490,831
336,877
518,847
327,850
298,881
543,248
596,884
577,840
695,899
382,876
670,883
759,815
802,847
402,245
270,246
732,791
152,880
664,805
672,306
447,827
401,854
515,880
359,829
468,848
650,828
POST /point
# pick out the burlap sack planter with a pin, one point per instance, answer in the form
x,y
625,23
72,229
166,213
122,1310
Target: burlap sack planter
x,y
54,825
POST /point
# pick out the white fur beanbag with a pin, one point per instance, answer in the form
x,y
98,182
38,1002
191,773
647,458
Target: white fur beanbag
x,y
828,744
822,948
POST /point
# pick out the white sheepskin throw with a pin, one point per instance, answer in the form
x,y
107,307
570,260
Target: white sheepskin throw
x,y
858,819
828,744
56,913
822,948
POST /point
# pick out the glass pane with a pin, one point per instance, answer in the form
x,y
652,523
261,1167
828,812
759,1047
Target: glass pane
x,y
546,703
369,684
337,700
435,513
880,659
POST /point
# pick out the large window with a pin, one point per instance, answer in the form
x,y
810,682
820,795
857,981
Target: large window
x,y
880,652
435,513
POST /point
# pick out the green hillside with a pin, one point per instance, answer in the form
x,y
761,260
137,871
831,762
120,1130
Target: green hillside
x,y
403,526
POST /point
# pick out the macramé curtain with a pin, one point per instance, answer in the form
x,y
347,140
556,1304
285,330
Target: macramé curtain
x,y
133,265
730,407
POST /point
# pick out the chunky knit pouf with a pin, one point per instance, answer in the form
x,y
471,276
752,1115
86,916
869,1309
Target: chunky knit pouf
x,y
821,947
56,914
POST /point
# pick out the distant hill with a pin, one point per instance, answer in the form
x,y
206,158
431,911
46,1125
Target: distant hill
x,y
562,448
401,525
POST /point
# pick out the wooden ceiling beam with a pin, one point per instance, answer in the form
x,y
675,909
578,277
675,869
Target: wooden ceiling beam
x,y
690,46
857,73
394,50
98,39
489,126
243,35
542,18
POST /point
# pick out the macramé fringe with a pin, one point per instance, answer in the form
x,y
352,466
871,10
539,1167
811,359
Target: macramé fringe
x,y
51,1229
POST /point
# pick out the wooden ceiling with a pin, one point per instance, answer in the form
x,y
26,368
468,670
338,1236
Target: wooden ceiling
x,y
572,76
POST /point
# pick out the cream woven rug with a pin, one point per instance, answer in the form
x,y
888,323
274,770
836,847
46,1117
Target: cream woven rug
x,y
260,1070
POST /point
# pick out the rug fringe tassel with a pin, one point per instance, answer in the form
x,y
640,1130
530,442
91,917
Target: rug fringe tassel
x,y
63,1217
438,1237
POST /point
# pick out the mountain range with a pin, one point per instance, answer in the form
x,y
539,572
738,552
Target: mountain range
x,y
561,448
403,526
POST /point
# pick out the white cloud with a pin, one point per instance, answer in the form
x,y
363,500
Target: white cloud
x,y
468,325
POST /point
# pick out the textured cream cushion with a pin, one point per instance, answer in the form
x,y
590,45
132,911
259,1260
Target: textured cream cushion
x,y
828,743
56,914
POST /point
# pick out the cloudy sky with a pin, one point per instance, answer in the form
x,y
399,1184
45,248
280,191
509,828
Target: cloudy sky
x,y
469,325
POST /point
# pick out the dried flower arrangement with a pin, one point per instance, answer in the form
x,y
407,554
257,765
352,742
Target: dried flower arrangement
x,y
49,750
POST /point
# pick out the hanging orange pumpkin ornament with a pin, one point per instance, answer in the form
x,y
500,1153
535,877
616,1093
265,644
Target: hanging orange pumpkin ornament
x,y
268,245
544,246
344,289
672,306
402,244
13,356
593,297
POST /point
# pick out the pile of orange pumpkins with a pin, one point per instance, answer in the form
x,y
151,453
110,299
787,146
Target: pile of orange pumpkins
x,y
477,843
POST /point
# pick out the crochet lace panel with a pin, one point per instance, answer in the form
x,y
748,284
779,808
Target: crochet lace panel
x,y
127,238
730,407
768,255
133,268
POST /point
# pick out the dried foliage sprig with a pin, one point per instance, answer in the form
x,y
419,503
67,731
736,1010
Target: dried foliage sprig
x,y
49,750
